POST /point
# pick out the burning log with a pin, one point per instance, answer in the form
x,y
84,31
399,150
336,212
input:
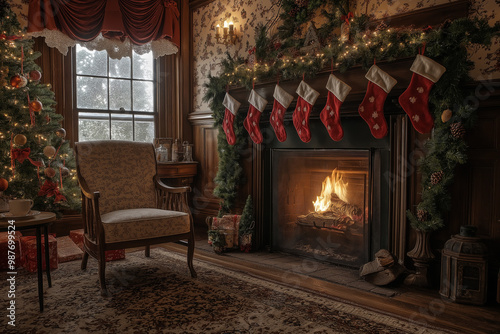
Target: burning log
x,y
338,205
325,220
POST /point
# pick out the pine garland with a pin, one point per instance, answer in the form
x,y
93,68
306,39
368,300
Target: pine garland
x,y
446,44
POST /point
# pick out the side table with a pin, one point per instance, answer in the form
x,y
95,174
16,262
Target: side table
x,y
177,174
43,219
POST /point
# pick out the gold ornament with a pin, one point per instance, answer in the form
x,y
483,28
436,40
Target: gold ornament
x,y
49,151
36,105
49,172
61,133
18,81
446,115
20,140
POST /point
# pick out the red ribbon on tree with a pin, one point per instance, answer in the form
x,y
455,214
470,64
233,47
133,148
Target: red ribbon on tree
x,y
9,38
347,17
21,154
50,189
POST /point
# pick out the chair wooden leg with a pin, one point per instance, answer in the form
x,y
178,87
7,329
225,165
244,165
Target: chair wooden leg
x,y
190,254
148,251
102,273
84,260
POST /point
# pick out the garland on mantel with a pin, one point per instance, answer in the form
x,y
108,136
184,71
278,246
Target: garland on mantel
x,y
444,149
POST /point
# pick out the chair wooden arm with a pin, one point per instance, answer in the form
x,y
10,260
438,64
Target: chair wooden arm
x,y
92,224
172,198
175,190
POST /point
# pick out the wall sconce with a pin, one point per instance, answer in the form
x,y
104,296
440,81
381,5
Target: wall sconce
x,y
228,34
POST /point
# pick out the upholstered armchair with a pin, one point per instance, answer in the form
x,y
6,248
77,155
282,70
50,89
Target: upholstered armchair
x,y
124,203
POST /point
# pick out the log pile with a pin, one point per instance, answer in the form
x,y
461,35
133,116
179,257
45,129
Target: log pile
x,y
383,270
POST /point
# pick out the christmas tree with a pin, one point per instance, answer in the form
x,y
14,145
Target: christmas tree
x,y
35,158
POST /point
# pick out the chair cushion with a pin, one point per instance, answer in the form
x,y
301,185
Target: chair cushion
x,y
136,224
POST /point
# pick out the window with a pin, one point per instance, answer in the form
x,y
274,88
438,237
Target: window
x,y
115,99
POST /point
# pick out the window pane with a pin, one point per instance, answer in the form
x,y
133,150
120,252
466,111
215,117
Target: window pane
x,y
119,94
143,66
91,93
91,62
119,68
144,128
143,96
93,129
121,127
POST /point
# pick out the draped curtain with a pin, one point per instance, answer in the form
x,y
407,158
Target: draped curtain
x,y
118,26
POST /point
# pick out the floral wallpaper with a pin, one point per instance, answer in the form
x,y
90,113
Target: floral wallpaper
x,y
249,13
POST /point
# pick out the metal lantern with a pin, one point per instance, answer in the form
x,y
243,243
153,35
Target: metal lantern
x,y
464,268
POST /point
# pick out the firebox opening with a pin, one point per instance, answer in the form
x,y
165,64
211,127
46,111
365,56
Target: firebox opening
x,y
321,204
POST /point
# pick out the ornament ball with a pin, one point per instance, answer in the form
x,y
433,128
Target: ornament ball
x,y
446,115
61,133
50,172
64,171
20,140
36,105
18,81
49,151
4,184
35,75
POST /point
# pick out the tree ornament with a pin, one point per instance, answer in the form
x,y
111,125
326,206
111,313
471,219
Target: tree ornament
x,y
232,106
415,99
446,115
64,171
457,130
436,177
372,107
61,133
49,172
422,215
251,122
35,75
330,115
49,151
36,105
305,101
4,184
282,101
18,81
20,139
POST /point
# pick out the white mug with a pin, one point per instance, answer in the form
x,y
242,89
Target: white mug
x,y
20,207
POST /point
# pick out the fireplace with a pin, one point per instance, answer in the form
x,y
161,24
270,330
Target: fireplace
x,y
321,204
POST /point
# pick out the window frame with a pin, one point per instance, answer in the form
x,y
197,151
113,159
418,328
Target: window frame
x,y
76,111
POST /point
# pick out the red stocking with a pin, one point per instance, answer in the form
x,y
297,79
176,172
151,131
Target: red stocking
x,y
251,123
307,98
372,107
415,99
281,102
330,115
232,107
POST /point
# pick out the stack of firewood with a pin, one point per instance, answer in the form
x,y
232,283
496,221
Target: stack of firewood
x,y
383,270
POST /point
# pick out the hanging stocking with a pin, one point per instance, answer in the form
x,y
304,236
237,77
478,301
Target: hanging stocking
x,y
281,102
330,115
415,99
251,122
232,107
372,107
307,98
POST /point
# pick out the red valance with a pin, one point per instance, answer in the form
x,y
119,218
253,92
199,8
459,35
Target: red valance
x,y
141,21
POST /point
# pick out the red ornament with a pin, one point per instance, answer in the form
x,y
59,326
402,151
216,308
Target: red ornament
x,y
35,75
18,81
4,184
50,172
36,105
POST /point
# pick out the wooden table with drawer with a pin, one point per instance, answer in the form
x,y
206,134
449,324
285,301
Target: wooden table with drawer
x,y
177,174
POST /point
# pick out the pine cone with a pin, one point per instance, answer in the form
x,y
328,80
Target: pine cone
x,y
436,177
457,130
422,215
382,26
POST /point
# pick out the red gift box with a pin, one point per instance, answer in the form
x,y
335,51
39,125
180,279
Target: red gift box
x,y
111,255
228,222
4,250
28,245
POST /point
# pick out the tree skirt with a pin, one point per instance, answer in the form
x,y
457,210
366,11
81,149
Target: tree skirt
x,y
157,295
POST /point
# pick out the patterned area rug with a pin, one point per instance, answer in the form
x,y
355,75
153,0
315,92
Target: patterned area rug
x,y
157,295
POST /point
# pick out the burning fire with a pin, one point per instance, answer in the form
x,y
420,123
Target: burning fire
x,y
331,185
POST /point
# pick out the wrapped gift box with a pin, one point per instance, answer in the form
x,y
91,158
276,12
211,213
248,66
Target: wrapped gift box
x,y
111,255
67,250
4,243
28,245
230,223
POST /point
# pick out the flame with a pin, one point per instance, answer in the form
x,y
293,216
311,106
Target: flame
x,y
331,185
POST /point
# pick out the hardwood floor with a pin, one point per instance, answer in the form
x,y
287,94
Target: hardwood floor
x,y
417,305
